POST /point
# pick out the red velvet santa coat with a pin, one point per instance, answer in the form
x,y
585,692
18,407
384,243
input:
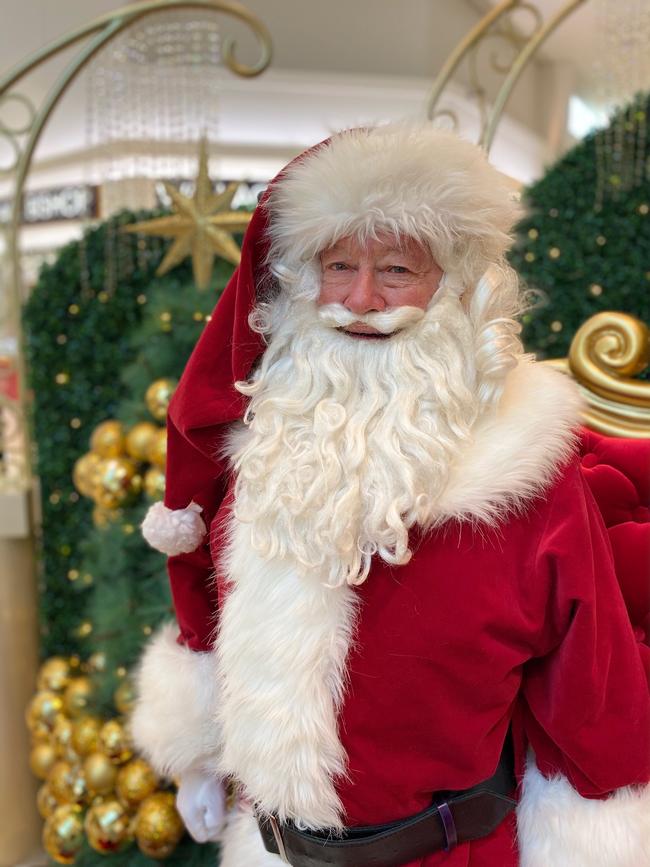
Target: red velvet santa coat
x,y
353,705
410,681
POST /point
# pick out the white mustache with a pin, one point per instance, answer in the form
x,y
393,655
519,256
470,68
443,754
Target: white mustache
x,y
386,321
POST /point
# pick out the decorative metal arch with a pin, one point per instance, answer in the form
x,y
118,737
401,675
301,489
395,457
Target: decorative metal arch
x,y
22,141
497,24
611,348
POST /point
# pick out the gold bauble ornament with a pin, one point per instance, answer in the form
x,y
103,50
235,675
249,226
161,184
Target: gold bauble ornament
x,y
45,801
77,696
67,782
63,833
116,482
42,712
108,827
62,736
96,662
154,483
158,450
102,517
100,773
85,734
135,781
54,674
42,759
138,440
114,741
107,439
124,696
84,472
157,397
158,827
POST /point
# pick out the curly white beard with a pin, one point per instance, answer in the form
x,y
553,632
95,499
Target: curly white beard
x,y
349,440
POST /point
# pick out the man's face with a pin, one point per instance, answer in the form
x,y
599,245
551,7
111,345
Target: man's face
x,y
378,275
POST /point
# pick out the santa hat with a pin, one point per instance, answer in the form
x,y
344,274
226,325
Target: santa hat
x,y
409,180
406,180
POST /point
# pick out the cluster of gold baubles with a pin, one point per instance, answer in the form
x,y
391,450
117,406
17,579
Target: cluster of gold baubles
x,y
122,463
94,788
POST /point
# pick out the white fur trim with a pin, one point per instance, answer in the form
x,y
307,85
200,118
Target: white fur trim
x,y
174,531
559,828
517,451
282,645
408,179
241,844
173,722
284,637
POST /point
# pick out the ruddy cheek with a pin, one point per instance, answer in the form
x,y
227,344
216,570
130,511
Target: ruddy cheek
x,y
329,294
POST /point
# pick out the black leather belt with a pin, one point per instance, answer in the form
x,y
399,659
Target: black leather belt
x,y
454,817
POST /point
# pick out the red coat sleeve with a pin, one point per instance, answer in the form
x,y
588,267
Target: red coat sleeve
x,y
586,697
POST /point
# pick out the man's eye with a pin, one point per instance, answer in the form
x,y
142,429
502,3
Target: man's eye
x,y
338,266
398,269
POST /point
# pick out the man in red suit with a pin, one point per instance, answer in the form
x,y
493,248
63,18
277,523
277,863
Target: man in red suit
x,y
398,606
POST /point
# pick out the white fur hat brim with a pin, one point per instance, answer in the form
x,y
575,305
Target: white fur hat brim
x,y
404,179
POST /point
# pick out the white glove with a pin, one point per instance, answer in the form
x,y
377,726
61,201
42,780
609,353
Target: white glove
x,y
201,801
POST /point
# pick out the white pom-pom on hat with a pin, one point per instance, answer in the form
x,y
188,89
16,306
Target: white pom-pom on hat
x,y
174,531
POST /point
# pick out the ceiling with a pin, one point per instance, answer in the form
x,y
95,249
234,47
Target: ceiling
x,y
385,37
366,41
341,63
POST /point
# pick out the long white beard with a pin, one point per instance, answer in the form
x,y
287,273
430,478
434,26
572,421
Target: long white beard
x,y
351,441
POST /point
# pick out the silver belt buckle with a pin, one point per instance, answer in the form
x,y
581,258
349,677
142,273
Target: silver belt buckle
x,y
278,839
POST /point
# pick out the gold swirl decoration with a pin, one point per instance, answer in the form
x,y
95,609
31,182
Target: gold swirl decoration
x,y
607,352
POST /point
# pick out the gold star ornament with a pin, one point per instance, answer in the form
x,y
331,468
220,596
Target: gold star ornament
x,y
202,227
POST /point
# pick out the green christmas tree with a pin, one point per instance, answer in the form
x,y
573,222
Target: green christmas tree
x,y
101,328
585,242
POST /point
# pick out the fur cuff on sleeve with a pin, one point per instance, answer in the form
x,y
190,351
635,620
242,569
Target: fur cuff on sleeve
x,y
559,828
173,720
174,531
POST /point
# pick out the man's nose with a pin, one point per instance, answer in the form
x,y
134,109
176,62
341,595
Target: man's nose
x,y
364,292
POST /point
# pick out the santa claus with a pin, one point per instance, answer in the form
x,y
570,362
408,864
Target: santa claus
x,y
398,607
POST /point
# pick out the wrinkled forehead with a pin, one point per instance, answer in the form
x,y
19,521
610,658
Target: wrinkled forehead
x,y
378,245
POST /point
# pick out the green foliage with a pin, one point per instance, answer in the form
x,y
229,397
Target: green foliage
x,y
129,597
95,318
101,317
174,319
586,256
77,326
131,594
186,854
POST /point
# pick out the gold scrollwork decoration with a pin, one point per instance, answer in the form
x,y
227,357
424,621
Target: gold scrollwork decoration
x,y
114,22
606,353
609,349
